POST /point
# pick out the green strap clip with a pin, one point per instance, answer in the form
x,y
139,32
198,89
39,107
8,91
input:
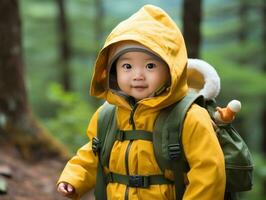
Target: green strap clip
x,y
137,181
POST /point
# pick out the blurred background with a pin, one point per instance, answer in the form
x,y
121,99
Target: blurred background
x,y
48,49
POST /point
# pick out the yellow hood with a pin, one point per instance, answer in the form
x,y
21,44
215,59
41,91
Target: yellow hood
x,y
154,29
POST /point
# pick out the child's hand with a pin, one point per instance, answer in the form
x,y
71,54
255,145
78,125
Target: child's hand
x,y
66,189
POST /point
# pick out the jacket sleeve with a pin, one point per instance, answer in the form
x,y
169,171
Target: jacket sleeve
x,y
206,177
80,170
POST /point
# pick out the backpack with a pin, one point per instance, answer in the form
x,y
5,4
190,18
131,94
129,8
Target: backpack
x,y
169,151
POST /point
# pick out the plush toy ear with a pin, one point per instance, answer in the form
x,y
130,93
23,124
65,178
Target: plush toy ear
x,y
203,78
234,105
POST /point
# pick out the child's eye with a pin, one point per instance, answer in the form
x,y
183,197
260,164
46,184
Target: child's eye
x,y
150,66
126,66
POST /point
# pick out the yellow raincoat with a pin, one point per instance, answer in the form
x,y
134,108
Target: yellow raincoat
x,y
154,29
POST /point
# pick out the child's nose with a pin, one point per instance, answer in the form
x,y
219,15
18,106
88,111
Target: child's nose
x,y
138,74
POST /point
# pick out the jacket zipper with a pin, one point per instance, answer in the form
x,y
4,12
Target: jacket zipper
x,y
131,121
127,167
131,118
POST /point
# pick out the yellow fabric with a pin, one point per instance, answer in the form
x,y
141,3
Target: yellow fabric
x,y
154,29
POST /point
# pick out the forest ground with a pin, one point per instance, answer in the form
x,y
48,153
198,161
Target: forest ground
x,y
30,180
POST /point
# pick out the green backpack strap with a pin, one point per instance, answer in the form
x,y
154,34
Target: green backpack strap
x,y
106,121
168,139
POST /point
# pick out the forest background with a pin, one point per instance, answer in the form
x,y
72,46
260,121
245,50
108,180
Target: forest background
x,y
60,40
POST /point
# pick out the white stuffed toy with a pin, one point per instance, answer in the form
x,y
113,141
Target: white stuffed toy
x,y
227,114
203,78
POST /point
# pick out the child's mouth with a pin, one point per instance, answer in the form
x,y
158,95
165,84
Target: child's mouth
x,y
139,87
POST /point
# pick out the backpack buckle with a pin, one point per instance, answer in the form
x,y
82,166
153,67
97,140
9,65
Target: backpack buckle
x,y
174,151
138,181
121,135
95,145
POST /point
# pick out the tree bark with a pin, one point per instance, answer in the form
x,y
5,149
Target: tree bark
x,y
18,127
191,26
263,118
64,46
242,13
98,25
98,22
264,71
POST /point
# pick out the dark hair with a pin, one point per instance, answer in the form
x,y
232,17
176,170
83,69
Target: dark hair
x,y
113,77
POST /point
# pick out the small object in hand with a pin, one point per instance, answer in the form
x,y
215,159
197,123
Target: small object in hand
x,y
3,186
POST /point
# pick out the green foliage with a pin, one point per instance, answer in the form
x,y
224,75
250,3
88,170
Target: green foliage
x,y
71,117
259,179
233,75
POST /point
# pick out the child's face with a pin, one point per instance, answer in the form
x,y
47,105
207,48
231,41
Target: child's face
x,y
140,74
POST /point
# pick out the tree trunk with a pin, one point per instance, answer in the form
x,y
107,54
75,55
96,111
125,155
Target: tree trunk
x,y
18,127
191,26
263,118
242,13
98,25
263,121
98,22
64,47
